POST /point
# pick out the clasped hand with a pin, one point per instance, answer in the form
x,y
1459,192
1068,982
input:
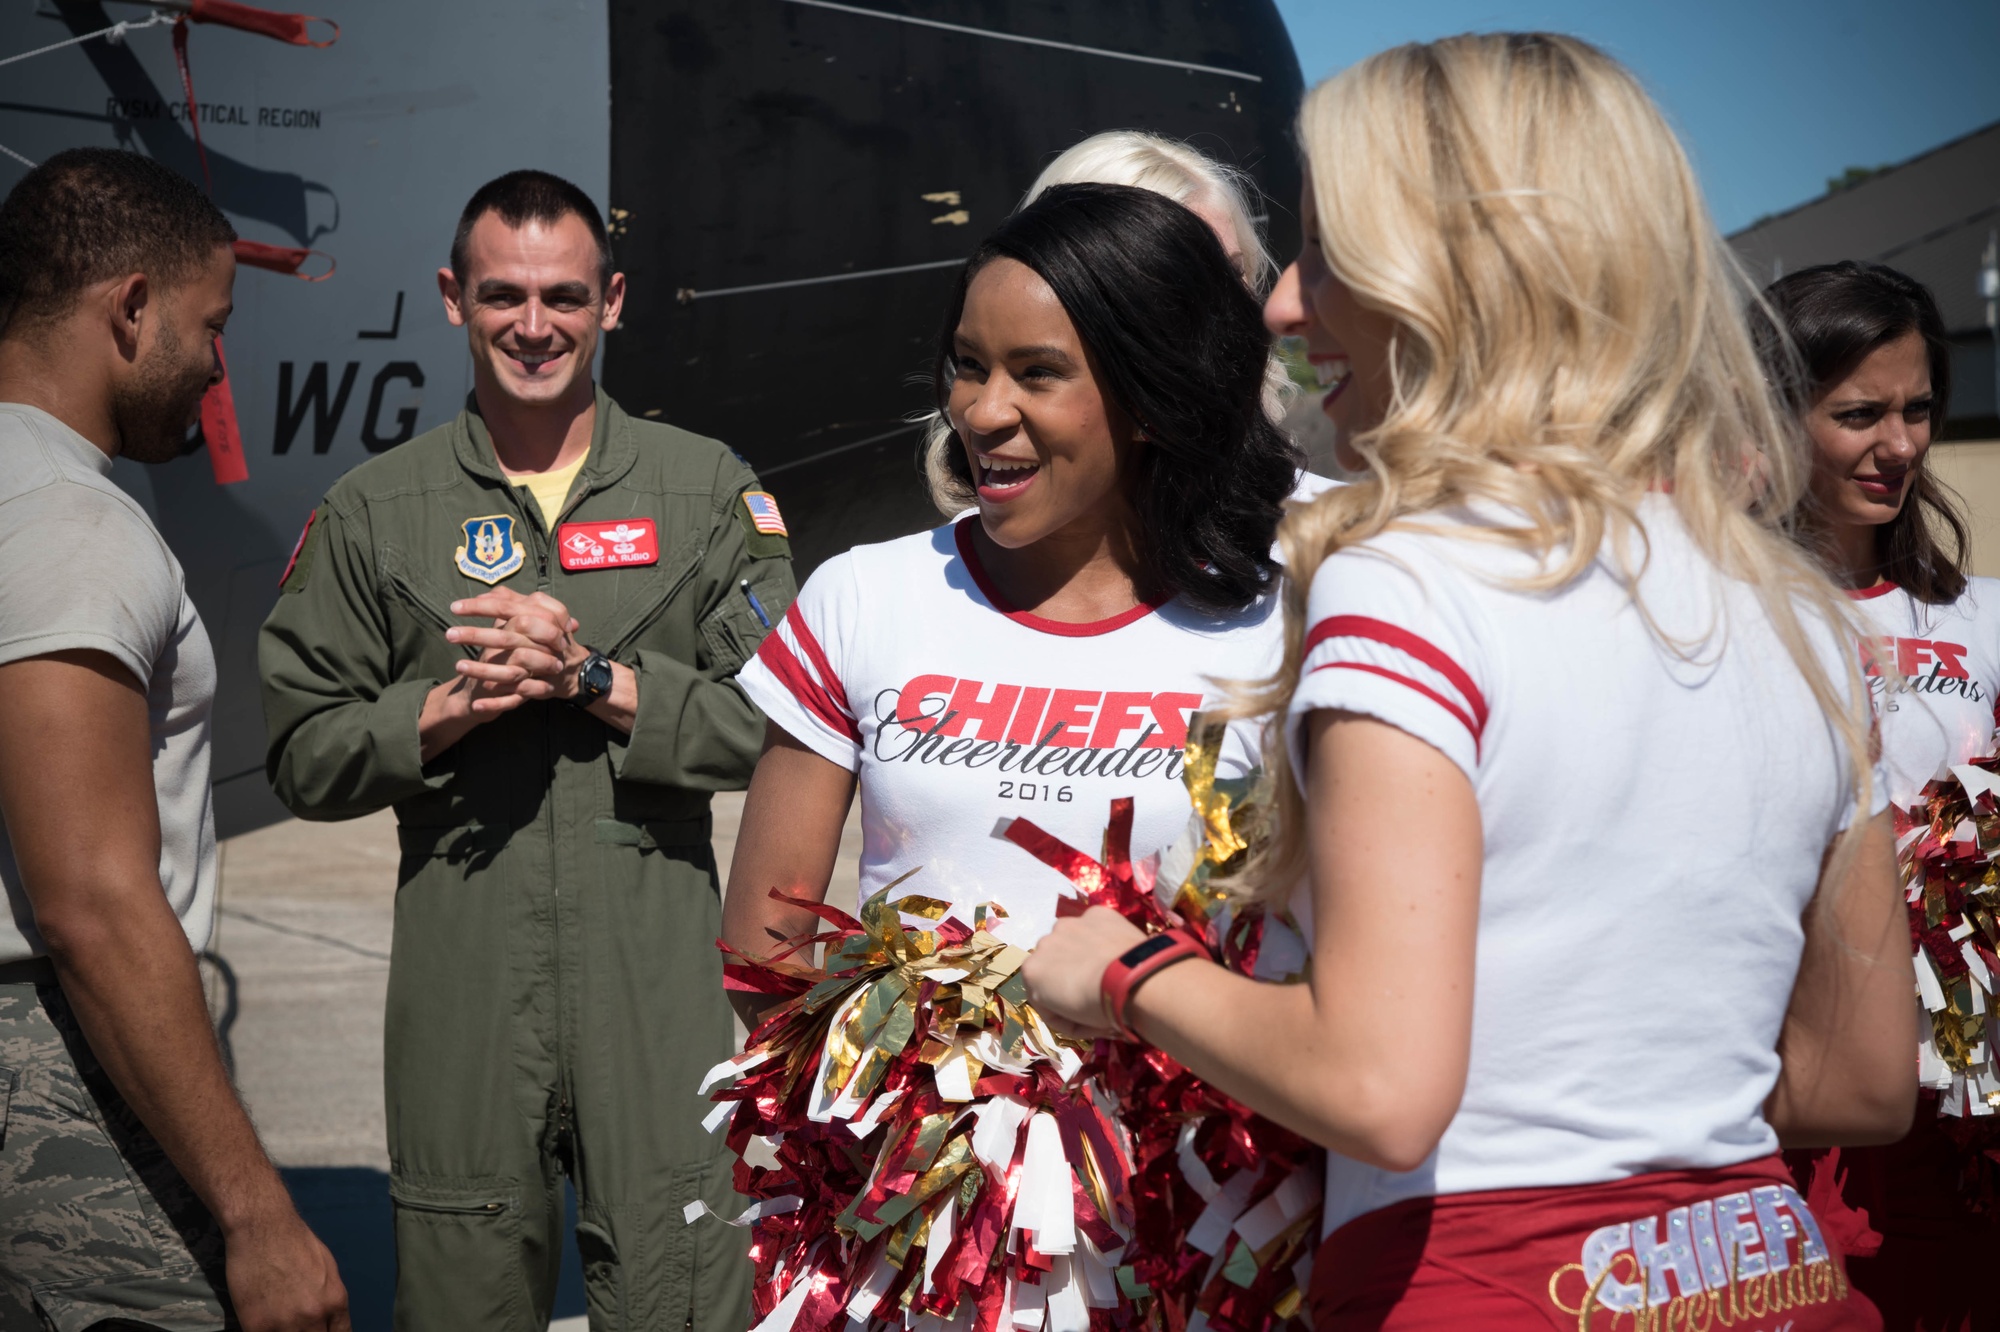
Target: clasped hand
x,y
529,652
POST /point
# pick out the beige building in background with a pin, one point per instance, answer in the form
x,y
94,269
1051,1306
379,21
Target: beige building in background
x,y
1972,468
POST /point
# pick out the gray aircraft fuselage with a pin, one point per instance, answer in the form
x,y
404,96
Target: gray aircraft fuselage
x,y
790,185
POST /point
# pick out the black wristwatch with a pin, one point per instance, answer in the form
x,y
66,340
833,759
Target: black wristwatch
x,y
593,679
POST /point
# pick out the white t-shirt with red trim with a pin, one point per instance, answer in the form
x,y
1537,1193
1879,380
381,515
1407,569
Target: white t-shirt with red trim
x,y
1654,821
901,663
1942,711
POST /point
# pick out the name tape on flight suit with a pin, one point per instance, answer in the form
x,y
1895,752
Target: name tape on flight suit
x,y
600,545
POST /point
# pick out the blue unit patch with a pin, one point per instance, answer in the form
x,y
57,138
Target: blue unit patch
x,y
490,552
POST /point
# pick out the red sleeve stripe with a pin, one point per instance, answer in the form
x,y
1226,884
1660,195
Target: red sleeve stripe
x,y
817,656
1422,688
1389,635
778,659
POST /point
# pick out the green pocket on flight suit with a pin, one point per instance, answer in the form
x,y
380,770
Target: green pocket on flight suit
x,y
459,1249
472,845
653,834
678,839
479,1202
720,1269
602,1273
686,1282
686,1268
732,633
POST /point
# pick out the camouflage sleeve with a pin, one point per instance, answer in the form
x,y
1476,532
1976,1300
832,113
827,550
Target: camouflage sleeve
x,y
342,729
695,727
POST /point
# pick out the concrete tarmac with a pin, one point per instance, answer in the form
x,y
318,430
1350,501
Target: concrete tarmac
x,y
303,936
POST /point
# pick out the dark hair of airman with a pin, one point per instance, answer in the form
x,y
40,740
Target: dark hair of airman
x,y
521,197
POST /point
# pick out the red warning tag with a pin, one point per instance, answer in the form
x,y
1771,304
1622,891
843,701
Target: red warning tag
x,y
582,546
219,428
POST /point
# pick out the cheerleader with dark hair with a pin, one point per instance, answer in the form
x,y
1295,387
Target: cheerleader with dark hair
x,y
1101,368
1869,369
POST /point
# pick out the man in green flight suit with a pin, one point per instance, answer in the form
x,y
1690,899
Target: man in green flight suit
x,y
522,630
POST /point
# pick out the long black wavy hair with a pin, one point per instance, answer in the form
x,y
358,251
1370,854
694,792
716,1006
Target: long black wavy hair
x,y
1834,316
1180,347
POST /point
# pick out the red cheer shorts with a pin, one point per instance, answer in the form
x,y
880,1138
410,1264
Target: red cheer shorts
x,y
1688,1250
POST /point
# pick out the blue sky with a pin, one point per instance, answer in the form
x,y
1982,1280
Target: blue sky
x,y
1770,96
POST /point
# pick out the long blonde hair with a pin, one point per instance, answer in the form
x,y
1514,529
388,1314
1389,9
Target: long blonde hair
x,y
1166,167
1569,333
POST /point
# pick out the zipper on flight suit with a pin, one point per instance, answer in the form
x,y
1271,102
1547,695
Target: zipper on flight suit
x,y
455,1208
539,539
539,536
532,524
565,1124
565,1127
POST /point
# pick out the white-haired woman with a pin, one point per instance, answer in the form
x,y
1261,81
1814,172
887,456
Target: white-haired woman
x,y
1215,192
1573,746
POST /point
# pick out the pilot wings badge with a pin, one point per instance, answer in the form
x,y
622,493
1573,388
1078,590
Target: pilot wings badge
x,y
490,552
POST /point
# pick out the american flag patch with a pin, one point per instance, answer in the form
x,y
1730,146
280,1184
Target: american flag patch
x,y
764,515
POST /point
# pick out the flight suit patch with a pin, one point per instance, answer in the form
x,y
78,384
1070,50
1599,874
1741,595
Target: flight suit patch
x,y
764,531
764,515
581,546
301,561
490,552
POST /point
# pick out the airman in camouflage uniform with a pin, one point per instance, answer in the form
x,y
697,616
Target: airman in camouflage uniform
x,y
88,1201
133,1190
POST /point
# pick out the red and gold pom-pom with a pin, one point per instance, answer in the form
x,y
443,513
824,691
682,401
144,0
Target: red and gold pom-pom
x,y
1948,845
1227,1204
934,1160
937,1159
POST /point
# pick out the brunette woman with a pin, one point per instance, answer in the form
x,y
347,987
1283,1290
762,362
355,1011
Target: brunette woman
x,y
1101,367
1219,195
1873,375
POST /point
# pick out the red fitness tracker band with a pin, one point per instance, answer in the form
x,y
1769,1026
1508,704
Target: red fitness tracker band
x,y
1138,964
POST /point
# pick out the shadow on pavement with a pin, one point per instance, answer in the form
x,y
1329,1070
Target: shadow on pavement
x,y
348,1208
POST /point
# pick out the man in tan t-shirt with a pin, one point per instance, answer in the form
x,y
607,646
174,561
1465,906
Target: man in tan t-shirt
x,y
132,1187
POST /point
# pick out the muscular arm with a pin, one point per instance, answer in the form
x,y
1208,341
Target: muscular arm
x,y
1333,1058
1848,1046
76,791
789,840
